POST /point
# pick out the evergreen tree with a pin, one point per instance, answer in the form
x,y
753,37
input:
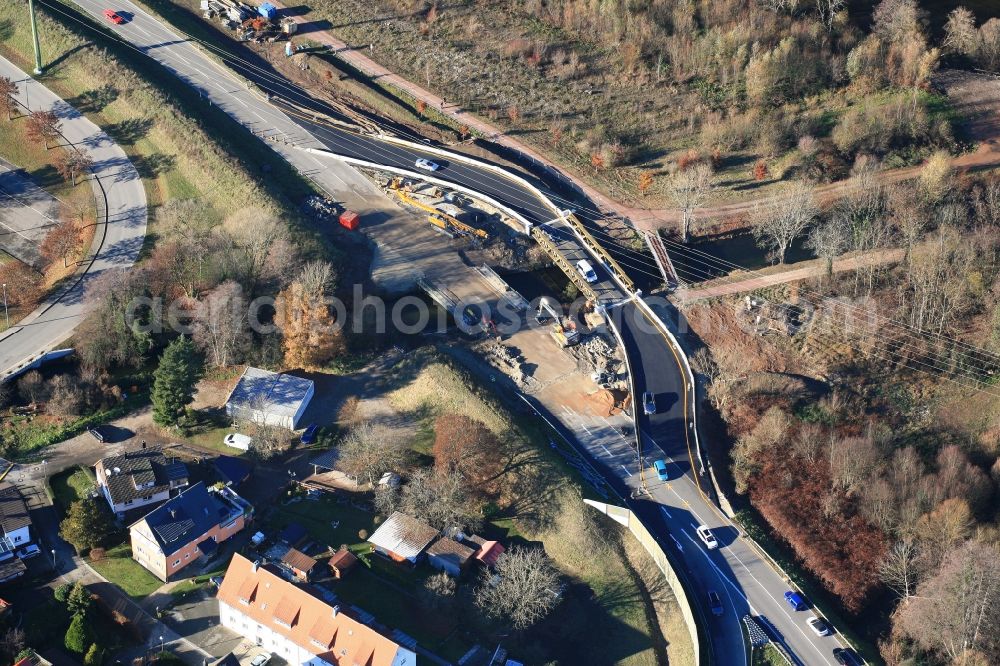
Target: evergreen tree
x,y
78,601
78,636
179,370
87,524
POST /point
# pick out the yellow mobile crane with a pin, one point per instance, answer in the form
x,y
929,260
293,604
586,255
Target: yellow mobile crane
x,y
438,218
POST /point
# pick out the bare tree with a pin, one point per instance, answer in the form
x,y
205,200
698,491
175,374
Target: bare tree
x,y
369,450
989,44
778,226
220,324
829,240
689,188
73,163
827,11
898,571
439,499
256,234
267,440
526,588
7,91
960,34
957,609
43,126
316,277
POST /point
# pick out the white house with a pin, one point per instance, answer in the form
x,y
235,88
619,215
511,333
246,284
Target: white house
x,y
260,605
14,520
138,478
269,397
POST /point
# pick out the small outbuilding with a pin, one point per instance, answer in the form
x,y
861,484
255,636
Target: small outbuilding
x,y
402,538
449,556
274,398
293,534
342,562
300,564
232,471
486,552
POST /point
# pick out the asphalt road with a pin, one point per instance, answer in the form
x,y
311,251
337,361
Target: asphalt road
x,y
117,239
745,581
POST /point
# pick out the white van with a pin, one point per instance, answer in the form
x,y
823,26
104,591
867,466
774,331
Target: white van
x,y
586,270
238,441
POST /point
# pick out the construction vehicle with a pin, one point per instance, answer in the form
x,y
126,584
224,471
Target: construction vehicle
x,y
563,330
438,218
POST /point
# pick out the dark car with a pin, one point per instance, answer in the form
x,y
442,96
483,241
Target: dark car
x,y
795,600
101,433
715,603
847,657
309,434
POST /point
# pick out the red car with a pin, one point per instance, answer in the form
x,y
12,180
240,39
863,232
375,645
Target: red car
x,y
114,16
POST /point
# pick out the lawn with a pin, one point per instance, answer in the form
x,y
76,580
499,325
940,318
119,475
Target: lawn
x,y
189,585
71,485
318,516
119,568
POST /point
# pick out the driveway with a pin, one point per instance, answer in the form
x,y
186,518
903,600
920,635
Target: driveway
x,y
198,621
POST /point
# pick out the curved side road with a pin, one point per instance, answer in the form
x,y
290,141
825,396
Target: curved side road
x,y
121,220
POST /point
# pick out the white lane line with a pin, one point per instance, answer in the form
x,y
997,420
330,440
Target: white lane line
x,y
677,543
626,469
665,512
606,450
584,426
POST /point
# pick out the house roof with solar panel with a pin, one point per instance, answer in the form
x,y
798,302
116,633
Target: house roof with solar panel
x,y
141,477
178,521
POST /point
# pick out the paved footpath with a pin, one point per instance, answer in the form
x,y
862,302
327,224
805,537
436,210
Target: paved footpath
x,y
117,240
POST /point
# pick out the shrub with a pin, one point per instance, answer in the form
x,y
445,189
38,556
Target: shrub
x,y
78,636
363,534
98,554
62,592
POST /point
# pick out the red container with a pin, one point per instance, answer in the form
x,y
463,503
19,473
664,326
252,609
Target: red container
x,y
350,220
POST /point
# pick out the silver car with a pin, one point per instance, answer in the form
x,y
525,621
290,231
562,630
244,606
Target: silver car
x,y
426,165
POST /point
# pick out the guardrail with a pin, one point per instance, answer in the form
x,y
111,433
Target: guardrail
x,y
598,250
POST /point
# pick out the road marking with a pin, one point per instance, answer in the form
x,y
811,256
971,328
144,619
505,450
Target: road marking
x,y
584,426
626,469
665,512
677,543
606,450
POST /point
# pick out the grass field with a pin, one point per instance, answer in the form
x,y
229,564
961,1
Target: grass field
x,y
119,568
71,485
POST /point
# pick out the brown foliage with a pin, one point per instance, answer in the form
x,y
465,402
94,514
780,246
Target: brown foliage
x,y
467,446
760,170
23,283
7,91
43,126
421,106
98,554
822,526
311,337
688,159
645,181
514,113
597,161
62,242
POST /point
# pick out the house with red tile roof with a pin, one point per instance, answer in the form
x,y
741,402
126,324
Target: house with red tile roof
x,y
257,603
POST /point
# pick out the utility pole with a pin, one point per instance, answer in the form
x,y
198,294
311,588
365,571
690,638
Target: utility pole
x,y
6,316
34,38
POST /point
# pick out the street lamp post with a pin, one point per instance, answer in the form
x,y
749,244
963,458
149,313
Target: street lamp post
x,y
161,644
53,558
34,38
5,315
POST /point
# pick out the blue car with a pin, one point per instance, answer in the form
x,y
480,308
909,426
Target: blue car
x,y
661,469
309,435
795,600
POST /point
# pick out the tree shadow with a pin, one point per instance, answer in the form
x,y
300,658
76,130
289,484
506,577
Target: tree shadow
x,y
153,165
94,100
127,132
6,29
46,176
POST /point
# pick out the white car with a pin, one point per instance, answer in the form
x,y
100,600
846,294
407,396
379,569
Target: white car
x,y
819,627
586,270
238,441
707,537
28,552
426,165
260,660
